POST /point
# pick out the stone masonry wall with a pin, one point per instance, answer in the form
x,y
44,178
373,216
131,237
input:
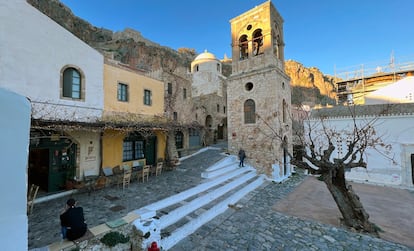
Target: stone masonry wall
x,y
261,140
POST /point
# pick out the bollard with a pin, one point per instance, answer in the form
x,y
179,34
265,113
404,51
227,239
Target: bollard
x,y
154,247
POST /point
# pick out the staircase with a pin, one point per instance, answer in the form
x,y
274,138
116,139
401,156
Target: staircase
x,y
182,214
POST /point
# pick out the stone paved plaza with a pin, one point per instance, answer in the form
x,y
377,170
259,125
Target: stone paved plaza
x,y
255,226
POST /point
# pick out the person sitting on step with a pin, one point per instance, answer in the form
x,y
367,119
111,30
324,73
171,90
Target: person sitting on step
x,y
72,221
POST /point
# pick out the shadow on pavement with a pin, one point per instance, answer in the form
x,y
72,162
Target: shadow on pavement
x,y
389,208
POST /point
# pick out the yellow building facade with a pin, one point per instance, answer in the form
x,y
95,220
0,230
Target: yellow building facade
x,y
133,117
137,85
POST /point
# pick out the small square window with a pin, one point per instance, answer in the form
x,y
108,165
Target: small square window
x,y
147,97
122,92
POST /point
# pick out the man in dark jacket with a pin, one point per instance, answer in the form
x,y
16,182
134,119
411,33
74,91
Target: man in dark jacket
x,y
242,156
72,221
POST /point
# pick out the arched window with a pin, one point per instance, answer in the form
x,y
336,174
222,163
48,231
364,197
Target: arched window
x,y
249,112
257,42
72,83
209,121
244,47
277,42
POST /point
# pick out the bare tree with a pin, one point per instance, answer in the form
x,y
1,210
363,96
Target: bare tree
x,y
330,152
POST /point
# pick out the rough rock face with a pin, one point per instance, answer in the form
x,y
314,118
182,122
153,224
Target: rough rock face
x,y
64,16
127,46
142,56
309,85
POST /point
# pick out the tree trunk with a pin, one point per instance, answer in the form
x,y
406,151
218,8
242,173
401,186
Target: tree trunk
x,y
172,153
353,213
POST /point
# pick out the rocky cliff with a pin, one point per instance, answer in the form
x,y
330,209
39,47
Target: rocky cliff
x,y
128,46
309,85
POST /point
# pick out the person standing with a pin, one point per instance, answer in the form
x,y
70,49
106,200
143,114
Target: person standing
x,y
72,221
242,156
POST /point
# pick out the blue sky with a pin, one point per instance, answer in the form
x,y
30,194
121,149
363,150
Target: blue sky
x,y
332,35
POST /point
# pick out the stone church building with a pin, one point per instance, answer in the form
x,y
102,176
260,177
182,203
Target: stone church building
x,y
258,92
209,95
245,100
250,107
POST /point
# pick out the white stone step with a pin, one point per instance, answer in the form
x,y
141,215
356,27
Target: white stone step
x,y
223,162
184,210
210,214
177,198
218,172
229,164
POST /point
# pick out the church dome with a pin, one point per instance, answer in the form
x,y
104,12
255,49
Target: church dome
x,y
206,62
205,56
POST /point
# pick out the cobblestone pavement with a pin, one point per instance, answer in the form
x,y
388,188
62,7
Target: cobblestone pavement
x,y
257,227
253,227
44,223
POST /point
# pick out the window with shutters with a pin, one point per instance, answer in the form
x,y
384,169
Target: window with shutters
x,y
122,92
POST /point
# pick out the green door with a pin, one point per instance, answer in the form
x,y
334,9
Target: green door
x,y
150,150
61,167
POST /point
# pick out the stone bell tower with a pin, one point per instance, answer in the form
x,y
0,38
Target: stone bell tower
x,y
258,92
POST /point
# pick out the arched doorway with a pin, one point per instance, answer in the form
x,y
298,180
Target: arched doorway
x,y
179,140
221,129
285,156
209,136
209,121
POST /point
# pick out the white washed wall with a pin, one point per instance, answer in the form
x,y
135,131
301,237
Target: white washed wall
x,y
89,156
395,130
208,80
33,51
14,133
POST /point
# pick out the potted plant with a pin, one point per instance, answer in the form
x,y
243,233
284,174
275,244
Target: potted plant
x,y
114,238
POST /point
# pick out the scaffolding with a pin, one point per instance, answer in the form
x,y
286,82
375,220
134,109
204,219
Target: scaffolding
x,y
354,82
